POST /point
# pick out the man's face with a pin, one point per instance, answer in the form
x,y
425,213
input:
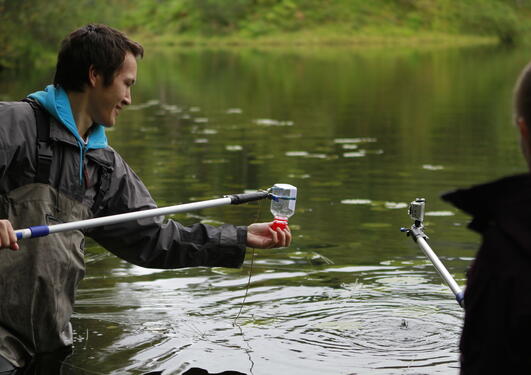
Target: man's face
x,y
106,102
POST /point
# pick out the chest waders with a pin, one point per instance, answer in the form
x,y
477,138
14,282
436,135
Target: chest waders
x,y
38,282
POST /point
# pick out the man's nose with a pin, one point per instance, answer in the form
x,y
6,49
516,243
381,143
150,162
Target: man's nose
x,y
127,98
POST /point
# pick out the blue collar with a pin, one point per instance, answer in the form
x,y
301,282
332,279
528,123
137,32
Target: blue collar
x,y
56,102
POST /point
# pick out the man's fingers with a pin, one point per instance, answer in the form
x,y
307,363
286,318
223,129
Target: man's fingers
x,y
8,238
4,238
13,238
287,237
281,237
263,236
274,238
284,237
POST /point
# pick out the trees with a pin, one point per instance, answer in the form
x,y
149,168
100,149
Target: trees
x,y
31,30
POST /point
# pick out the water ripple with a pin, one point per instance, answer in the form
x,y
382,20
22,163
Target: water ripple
x,y
386,319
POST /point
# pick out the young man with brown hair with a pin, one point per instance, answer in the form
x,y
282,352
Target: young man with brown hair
x,y
56,166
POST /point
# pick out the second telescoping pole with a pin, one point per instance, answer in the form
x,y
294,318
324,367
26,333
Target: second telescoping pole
x,y
416,212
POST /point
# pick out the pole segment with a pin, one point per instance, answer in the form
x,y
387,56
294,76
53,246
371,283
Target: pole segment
x,y
44,230
416,212
456,289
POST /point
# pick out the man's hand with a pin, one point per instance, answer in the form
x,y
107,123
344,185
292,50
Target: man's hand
x,y
8,238
261,236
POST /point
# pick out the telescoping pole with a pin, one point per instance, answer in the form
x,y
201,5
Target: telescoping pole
x,y
442,270
416,212
44,230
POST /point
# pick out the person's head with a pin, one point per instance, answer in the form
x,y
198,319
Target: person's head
x,y
97,46
522,111
99,62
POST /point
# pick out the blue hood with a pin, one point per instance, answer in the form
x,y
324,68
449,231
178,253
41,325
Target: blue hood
x,y
56,102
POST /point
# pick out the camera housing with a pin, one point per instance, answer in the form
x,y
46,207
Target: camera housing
x,y
416,209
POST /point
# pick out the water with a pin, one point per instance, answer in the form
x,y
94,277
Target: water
x,y
360,133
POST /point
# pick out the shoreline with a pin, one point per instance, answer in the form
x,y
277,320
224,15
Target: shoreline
x,y
319,39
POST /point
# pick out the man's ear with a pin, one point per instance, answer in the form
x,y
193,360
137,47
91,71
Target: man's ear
x,y
92,76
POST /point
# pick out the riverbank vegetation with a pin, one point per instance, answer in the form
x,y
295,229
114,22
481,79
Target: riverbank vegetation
x,y
30,31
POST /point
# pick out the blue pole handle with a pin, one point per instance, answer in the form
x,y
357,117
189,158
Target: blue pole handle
x,y
36,231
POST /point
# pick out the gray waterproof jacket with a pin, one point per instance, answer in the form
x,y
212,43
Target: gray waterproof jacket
x,y
38,283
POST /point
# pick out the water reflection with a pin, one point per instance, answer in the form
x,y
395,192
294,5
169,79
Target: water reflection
x,y
361,133
54,363
335,317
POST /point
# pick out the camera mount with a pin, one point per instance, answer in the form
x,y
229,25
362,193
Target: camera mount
x,y
416,212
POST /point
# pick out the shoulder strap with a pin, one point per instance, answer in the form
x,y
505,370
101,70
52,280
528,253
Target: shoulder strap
x,y
44,148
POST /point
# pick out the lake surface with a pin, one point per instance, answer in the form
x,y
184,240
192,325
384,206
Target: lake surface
x,y
361,133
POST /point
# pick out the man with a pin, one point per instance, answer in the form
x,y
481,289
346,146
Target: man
x,y
56,166
497,328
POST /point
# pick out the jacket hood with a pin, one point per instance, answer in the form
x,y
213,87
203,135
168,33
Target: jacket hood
x,y
56,102
505,203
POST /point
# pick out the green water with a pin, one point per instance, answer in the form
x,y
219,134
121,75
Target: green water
x,y
361,133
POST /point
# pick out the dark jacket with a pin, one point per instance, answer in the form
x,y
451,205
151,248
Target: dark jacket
x,y
496,337
147,242
37,283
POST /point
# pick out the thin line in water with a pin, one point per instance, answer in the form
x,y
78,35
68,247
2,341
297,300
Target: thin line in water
x,y
249,350
258,211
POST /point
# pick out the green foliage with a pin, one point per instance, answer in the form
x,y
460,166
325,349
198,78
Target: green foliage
x,y
478,17
30,30
220,15
490,18
205,17
251,18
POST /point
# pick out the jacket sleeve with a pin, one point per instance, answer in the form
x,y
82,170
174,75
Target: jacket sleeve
x,y
154,243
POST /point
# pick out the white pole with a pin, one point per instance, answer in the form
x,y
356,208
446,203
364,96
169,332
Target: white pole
x,y
43,230
416,212
441,269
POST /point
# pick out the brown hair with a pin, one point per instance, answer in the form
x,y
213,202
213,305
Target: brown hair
x,y
99,46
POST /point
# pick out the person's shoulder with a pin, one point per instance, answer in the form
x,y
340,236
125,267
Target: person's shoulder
x,y
120,165
16,113
17,106
108,156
